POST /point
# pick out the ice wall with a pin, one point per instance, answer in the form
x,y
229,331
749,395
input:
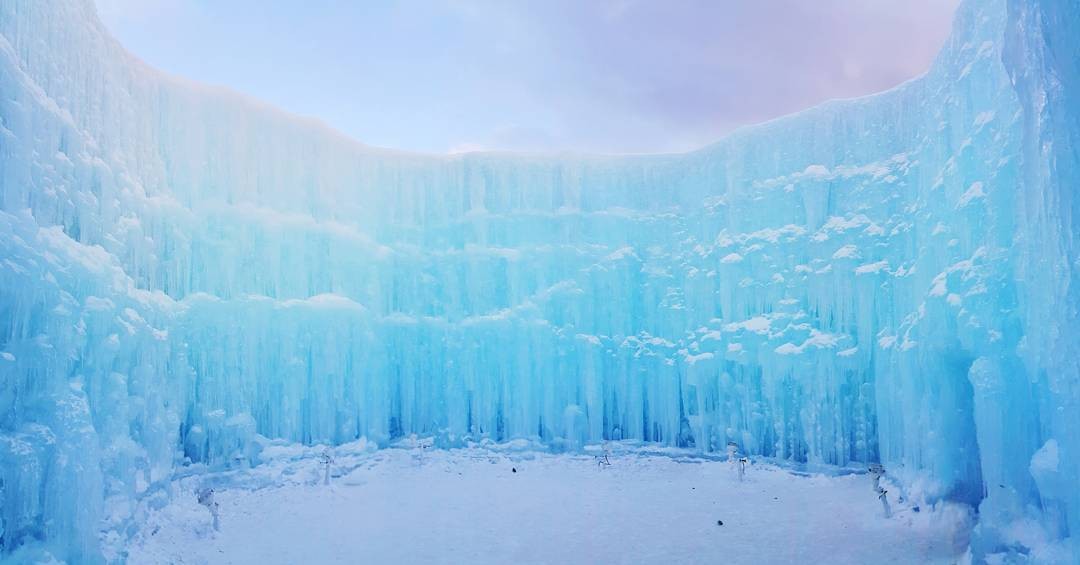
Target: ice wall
x,y
888,278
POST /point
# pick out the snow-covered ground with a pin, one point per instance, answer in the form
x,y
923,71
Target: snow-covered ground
x,y
516,505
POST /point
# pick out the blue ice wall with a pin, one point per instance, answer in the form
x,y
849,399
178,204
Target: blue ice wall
x,y
889,278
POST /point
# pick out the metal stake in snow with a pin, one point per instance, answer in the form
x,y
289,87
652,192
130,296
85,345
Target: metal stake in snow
x,y
327,461
206,498
877,471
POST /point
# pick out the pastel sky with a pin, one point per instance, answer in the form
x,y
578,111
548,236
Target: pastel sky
x,y
607,76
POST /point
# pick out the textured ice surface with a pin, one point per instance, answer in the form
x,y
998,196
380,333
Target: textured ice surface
x,y
889,278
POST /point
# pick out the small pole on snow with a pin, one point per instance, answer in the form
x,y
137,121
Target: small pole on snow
x,y
885,504
327,461
206,498
605,459
877,470
738,462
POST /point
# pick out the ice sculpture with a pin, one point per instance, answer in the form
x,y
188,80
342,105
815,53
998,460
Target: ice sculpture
x,y
891,278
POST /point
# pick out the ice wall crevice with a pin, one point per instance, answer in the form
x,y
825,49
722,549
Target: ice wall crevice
x,y
183,270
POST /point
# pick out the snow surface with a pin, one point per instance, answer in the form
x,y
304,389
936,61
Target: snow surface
x,y
409,505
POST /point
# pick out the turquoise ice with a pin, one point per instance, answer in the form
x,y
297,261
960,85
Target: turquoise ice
x,y
892,278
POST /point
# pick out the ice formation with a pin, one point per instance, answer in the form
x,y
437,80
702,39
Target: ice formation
x,y
890,278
